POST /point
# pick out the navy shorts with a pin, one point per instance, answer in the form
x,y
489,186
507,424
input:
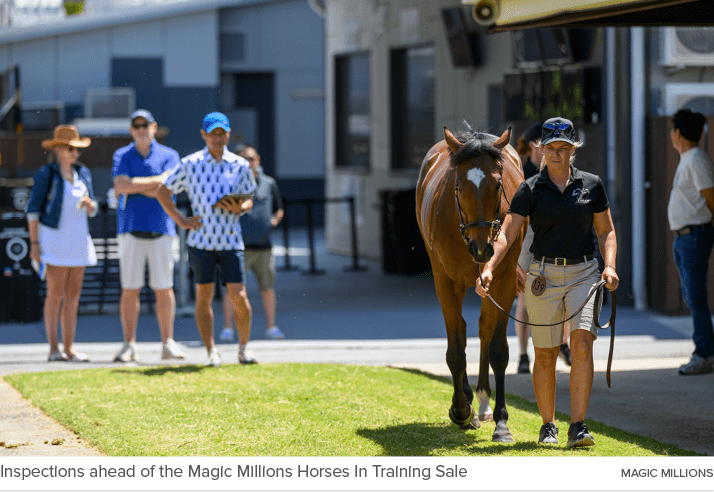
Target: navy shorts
x,y
231,265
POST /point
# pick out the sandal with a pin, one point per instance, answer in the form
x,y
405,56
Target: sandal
x,y
57,357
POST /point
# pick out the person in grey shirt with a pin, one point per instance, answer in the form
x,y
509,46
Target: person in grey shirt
x,y
256,225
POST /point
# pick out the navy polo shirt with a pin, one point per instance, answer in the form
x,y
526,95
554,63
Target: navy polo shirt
x,y
562,222
144,213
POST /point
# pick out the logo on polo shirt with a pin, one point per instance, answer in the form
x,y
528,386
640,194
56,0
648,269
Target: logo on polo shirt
x,y
583,195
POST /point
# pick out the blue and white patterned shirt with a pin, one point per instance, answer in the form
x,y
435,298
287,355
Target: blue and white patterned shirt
x,y
205,181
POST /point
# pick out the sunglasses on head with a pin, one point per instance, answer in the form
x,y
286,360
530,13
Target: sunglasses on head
x,y
140,125
553,127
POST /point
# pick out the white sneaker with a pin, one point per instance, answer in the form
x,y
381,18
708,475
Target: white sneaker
x,y
214,359
274,333
227,334
127,353
172,351
246,356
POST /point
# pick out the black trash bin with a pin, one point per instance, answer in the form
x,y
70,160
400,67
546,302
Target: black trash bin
x,y
19,283
403,249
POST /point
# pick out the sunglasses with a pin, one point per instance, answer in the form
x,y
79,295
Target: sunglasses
x,y
72,149
140,125
553,127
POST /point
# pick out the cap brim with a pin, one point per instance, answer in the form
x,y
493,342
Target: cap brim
x,y
216,125
547,141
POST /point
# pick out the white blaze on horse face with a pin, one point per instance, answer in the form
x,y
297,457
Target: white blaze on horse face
x,y
475,176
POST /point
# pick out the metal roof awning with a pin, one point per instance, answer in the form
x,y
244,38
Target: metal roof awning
x,y
508,15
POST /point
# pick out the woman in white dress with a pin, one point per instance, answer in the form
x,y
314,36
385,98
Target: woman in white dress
x,y
60,201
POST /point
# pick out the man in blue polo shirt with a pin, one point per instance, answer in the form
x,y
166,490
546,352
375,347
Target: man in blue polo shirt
x,y
145,234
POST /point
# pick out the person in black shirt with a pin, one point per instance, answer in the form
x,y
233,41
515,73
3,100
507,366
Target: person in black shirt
x,y
531,155
563,204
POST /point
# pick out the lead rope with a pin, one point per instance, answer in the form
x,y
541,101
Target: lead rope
x,y
595,290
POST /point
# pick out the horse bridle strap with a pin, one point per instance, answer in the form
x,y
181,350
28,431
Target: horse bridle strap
x,y
597,291
494,225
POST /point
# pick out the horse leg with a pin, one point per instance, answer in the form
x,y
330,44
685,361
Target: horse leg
x,y
486,324
499,361
461,412
483,388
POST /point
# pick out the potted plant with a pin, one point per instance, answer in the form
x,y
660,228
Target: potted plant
x,y
73,7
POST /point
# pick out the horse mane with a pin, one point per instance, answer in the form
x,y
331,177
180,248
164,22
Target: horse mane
x,y
475,145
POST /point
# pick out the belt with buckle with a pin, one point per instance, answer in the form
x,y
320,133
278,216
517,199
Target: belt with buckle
x,y
689,229
145,235
563,260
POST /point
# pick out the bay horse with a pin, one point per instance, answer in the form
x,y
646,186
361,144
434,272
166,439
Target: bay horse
x,y
464,190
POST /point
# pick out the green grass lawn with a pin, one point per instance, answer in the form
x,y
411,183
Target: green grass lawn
x,y
290,410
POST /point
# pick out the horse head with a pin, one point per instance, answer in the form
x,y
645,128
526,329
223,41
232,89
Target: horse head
x,y
476,160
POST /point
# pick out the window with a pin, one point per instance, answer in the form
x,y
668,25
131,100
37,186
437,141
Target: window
x,y
413,80
352,111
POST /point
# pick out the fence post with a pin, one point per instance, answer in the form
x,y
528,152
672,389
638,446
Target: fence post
x,y
311,238
183,287
286,239
353,228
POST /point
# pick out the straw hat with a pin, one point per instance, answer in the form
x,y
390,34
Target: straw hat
x,y
66,135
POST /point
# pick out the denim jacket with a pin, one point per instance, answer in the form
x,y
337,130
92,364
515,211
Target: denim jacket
x,y
47,194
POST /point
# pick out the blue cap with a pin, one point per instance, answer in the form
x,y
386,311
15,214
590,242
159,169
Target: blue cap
x,y
215,120
145,114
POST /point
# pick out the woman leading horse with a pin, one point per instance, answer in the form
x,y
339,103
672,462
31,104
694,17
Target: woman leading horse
x,y
563,204
465,186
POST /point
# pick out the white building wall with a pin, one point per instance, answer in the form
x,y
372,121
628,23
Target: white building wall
x,y
461,94
83,63
39,68
192,50
142,39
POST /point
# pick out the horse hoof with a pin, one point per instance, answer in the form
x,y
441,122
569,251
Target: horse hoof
x,y
485,417
501,434
464,424
502,438
473,425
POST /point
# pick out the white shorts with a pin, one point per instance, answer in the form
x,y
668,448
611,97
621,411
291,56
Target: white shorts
x,y
160,253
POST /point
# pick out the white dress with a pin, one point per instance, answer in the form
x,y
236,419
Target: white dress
x,y
70,244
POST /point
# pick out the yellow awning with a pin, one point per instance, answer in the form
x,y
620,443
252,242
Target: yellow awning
x,y
518,14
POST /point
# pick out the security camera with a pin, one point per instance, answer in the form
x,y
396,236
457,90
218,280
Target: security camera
x,y
486,12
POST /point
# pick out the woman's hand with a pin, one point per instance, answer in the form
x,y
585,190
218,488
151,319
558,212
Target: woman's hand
x,y
35,251
610,277
486,277
88,204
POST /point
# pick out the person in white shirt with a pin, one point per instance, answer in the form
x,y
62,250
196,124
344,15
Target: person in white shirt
x,y
214,239
690,208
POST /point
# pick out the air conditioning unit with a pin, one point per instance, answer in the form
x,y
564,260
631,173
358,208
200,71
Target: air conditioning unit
x,y
697,97
109,102
680,46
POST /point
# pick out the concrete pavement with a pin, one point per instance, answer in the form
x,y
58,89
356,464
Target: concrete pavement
x,y
368,317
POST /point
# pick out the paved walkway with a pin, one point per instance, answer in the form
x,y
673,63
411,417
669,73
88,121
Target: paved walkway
x,y
371,318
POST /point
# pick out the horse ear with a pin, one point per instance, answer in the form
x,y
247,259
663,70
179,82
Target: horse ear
x,y
452,141
504,139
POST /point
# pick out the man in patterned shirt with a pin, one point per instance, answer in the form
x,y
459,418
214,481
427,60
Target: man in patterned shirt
x,y
214,239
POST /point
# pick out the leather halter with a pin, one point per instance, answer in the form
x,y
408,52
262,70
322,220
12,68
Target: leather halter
x,y
495,225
